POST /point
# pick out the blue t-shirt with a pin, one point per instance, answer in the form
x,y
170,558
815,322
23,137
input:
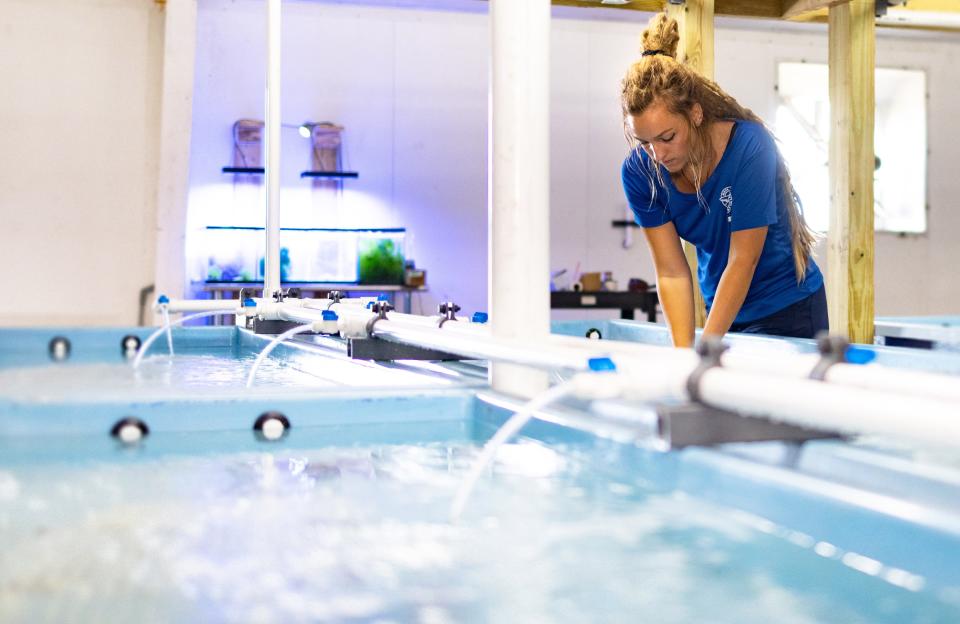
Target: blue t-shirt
x,y
743,192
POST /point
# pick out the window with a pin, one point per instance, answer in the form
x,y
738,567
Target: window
x,y
900,137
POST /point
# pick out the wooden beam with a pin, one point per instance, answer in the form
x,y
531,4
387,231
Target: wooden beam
x,y
733,8
748,8
695,19
850,295
793,8
650,6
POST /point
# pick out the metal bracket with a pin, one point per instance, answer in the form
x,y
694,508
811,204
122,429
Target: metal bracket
x,y
380,308
710,349
261,326
448,310
376,349
693,424
833,350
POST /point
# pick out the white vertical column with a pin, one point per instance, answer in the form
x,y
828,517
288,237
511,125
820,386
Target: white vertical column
x,y
173,174
271,265
519,183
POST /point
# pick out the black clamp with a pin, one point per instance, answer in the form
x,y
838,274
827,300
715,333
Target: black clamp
x,y
709,349
833,350
448,310
380,308
334,296
278,296
294,293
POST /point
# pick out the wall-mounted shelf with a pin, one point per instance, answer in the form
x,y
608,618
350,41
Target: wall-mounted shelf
x,y
329,174
303,174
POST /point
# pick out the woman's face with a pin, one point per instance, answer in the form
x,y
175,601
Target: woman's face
x,y
664,135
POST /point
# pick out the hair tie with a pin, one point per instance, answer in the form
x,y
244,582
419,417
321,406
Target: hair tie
x,y
653,53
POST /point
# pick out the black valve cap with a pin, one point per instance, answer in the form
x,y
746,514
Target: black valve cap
x,y
130,430
59,348
129,345
271,426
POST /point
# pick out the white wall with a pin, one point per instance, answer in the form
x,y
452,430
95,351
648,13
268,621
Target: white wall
x,y
77,169
80,112
913,273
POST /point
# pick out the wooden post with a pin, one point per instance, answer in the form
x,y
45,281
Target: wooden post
x,y
852,102
695,19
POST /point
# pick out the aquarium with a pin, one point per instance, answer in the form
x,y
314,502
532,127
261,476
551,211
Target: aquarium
x,y
366,256
380,257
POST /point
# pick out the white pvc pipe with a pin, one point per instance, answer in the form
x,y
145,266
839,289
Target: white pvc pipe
x,y
660,373
672,366
465,339
929,385
202,305
519,183
271,265
515,351
798,366
833,407
873,376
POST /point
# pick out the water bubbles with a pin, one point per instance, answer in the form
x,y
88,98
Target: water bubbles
x,y
9,487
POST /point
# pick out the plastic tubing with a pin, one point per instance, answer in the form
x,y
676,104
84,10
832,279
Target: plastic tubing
x,y
152,338
270,347
202,305
509,429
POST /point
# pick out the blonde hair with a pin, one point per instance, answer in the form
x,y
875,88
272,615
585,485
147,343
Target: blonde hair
x,y
659,77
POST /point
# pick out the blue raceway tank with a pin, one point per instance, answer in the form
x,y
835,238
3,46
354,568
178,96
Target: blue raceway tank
x,y
344,517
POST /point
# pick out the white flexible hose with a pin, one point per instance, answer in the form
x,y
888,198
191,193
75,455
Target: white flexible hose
x,y
509,429
149,341
270,347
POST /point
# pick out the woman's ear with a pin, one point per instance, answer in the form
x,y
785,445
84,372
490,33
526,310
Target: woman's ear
x,y
696,112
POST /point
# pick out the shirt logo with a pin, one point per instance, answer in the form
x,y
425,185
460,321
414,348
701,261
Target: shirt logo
x,y
726,198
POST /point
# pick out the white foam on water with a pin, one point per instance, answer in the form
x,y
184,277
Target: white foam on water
x,y
209,376
341,535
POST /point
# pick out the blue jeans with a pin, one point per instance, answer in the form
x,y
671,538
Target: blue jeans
x,y
803,319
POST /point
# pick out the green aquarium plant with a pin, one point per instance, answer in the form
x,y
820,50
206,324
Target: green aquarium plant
x,y
380,262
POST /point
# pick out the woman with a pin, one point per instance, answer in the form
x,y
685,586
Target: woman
x,y
706,169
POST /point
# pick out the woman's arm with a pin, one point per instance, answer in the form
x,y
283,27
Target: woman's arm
x,y
745,248
674,284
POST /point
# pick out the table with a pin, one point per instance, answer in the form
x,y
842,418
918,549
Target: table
x,y
625,301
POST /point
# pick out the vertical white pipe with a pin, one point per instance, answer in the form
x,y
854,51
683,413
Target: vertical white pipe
x,y
519,183
271,265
